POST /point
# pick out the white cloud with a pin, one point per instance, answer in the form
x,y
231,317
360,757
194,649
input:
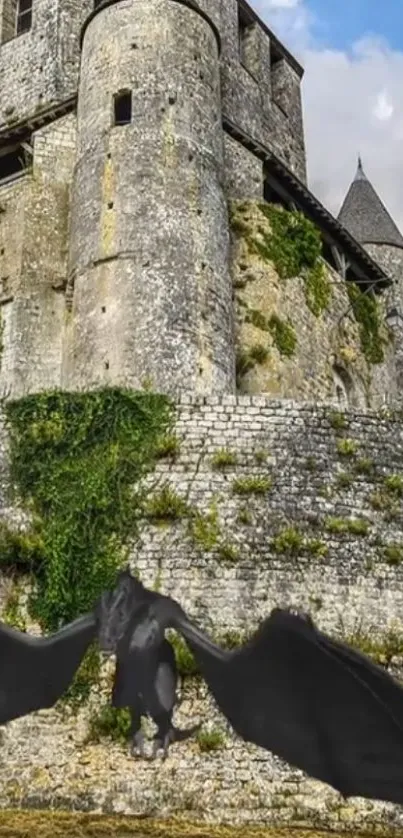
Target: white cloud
x,y
282,4
383,108
352,104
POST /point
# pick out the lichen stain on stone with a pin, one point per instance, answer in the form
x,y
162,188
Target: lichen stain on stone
x,y
169,149
108,215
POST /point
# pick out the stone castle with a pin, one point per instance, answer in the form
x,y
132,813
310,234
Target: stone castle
x,y
138,141
126,129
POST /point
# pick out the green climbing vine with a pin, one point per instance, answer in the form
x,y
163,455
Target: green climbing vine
x,y
76,460
283,334
294,245
367,312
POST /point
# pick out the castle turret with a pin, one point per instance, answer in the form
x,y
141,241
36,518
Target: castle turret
x,y
149,266
367,219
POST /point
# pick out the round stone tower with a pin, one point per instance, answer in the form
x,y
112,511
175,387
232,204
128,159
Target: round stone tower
x,y
151,294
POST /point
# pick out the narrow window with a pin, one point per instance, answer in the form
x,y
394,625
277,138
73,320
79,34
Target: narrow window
x,y
244,26
24,16
248,42
122,107
13,162
8,20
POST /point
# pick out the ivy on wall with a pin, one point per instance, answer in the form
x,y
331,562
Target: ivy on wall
x,y
76,463
294,246
368,314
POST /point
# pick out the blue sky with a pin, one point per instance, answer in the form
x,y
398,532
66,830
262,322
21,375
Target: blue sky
x,y
338,24
352,91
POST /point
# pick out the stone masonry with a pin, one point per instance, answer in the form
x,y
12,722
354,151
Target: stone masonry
x,y
115,257
127,128
319,472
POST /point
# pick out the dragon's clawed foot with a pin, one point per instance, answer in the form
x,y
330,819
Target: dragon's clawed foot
x,y
162,743
137,749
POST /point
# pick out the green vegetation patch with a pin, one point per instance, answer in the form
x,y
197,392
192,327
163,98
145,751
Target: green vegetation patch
x,y
344,480
368,313
393,484
205,528
318,290
283,334
223,458
337,420
252,485
346,447
343,526
381,650
109,722
393,554
365,466
165,505
210,740
294,246
76,463
290,541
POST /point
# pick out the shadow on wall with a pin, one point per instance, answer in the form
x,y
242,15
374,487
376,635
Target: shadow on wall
x,y
347,393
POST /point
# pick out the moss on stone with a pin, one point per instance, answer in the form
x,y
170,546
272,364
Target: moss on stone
x,y
205,528
12,612
257,319
261,455
364,465
344,480
337,420
393,484
168,447
258,353
343,526
228,552
109,723
223,458
318,290
392,554
246,359
284,335
367,312
185,661
210,740
21,551
254,485
381,649
245,517
292,244
165,505
291,541
346,447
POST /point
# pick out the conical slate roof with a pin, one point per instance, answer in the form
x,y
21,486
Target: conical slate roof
x,y
364,215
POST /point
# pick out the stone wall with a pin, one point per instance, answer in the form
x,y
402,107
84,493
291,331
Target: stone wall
x,y
300,469
40,66
327,357
34,235
262,97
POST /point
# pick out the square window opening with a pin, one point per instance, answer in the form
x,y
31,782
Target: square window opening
x,y
122,107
